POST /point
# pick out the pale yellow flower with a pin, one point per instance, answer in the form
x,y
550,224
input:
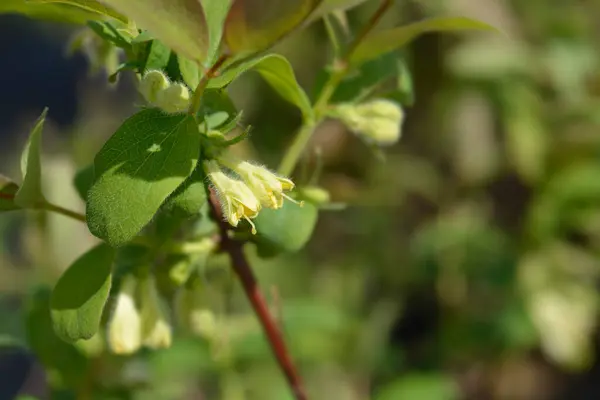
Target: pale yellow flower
x,y
237,200
124,327
267,186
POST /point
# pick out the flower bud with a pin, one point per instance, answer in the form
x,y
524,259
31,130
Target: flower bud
x,y
124,326
174,99
152,83
156,330
378,121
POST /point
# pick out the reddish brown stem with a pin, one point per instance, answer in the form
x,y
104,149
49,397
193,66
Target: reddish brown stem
x,y
7,196
242,268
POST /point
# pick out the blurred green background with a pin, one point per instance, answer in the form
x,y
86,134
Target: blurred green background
x,y
464,266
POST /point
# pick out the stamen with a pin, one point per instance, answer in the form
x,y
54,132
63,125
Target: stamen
x,y
300,203
251,224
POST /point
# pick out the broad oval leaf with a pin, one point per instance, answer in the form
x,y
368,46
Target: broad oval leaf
x,y
189,198
49,12
286,229
30,194
7,194
255,25
381,42
180,24
138,168
91,6
78,299
278,73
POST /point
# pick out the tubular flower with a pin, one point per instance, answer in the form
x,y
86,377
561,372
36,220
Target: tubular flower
x,y
237,200
267,186
124,328
156,330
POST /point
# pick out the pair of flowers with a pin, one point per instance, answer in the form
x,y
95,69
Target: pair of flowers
x,y
242,199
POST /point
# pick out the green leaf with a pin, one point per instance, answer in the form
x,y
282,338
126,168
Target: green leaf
x,y
53,353
216,12
255,25
138,168
87,5
50,12
110,33
420,387
157,56
190,72
332,5
189,198
83,181
278,73
286,229
382,42
7,194
30,193
78,299
179,24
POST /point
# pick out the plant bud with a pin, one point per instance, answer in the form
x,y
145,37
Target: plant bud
x,y
378,121
124,327
174,99
156,330
152,83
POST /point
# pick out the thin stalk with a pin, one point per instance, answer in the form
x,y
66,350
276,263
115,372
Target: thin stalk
x,y
199,91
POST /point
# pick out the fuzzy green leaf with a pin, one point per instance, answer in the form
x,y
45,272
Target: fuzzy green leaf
x,y
30,194
286,229
381,42
138,168
78,299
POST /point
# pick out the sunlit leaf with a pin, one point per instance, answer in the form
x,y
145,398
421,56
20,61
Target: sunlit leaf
x,y
255,25
180,24
138,168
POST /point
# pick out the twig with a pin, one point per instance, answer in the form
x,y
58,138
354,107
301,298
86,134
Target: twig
x,y
44,205
242,268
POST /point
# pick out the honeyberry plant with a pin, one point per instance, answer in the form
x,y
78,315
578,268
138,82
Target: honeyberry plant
x,y
165,192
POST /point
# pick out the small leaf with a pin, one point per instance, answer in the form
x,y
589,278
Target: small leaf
x,y
157,56
30,193
179,24
382,42
278,73
87,5
286,229
108,32
7,194
255,25
138,168
190,72
83,181
78,299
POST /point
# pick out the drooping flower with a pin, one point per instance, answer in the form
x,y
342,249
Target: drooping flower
x,y
267,186
124,327
192,312
237,200
156,329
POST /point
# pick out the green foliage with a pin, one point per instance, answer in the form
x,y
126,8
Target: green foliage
x,y
287,229
91,6
78,299
30,194
83,181
382,42
420,387
139,167
47,11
